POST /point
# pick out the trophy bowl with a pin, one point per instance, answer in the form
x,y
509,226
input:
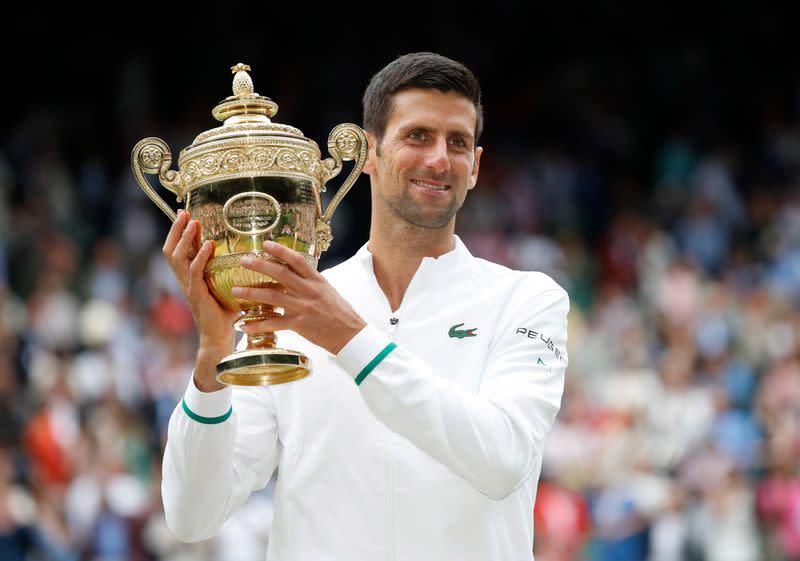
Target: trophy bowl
x,y
246,182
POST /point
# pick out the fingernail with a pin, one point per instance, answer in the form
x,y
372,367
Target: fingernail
x,y
269,244
246,260
237,291
207,245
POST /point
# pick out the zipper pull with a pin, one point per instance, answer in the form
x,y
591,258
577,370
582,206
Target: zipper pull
x,y
393,330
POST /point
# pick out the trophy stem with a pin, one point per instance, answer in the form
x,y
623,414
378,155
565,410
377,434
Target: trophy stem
x,y
261,363
263,340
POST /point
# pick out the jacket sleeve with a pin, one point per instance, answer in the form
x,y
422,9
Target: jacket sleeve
x,y
221,446
492,438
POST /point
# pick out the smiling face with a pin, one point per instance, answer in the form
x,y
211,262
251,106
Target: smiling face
x,y
427,159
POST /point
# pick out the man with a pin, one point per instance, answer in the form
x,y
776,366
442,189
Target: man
x,y
437,375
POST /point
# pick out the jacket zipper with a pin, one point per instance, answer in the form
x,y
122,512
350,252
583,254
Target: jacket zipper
x,y
394,319
394,322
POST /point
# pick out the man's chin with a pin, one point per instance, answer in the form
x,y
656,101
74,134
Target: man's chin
x,y
431,222
423,216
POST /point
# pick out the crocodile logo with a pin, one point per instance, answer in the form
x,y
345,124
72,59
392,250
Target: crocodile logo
x,y
457,333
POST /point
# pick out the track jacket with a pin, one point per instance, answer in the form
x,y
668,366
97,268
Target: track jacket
x,y
420,441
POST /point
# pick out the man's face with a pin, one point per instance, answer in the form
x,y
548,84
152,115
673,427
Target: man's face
x,y
427,159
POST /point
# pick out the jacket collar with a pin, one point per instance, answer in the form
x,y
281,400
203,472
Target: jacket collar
x,y
458,255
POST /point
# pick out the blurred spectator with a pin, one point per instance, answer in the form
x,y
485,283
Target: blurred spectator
x,y
724,525
680,418
561,522
779,499
29,529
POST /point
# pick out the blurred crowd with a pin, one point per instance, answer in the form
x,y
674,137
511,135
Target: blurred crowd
x,y
679,433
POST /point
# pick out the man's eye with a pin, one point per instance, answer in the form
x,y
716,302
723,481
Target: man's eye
x,y
416,135
458,142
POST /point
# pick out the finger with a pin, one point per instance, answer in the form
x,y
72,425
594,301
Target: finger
x,y
198,266
175,232
196,242
181,251
278,271
266,295
294,259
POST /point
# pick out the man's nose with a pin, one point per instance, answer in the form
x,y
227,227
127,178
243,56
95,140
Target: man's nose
x,y
437,158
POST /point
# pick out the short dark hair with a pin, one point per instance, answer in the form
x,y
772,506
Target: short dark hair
x,y
418,70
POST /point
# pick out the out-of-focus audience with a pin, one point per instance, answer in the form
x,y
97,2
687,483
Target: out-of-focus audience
x,y
679,434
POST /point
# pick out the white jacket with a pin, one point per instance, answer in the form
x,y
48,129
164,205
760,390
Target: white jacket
x,y
434,456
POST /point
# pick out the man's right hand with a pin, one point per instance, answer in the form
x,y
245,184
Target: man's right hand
x,y
213,322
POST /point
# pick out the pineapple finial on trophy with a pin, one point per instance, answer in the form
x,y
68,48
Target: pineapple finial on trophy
x,y
242,83
244,106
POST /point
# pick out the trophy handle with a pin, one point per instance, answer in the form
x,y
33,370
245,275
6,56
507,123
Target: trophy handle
x,y
346,142
152,156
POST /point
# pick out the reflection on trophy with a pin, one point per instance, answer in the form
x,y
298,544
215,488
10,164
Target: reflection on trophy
x,y
248,181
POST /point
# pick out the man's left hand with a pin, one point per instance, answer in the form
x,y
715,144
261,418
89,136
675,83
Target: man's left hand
x,y
312,307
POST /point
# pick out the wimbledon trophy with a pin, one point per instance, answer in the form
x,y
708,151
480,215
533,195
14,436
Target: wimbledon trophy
x,y
248,181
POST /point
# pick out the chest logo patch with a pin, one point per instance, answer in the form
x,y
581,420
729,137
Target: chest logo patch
x,y
457,333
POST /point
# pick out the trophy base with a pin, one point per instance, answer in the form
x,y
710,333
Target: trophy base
x,y
263,367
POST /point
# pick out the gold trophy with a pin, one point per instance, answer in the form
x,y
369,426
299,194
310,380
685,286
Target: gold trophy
x,y
248,181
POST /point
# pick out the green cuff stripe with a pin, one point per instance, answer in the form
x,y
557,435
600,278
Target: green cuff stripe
x,y
206,420
375,362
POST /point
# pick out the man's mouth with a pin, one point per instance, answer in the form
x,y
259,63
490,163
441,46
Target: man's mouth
x,y
438,186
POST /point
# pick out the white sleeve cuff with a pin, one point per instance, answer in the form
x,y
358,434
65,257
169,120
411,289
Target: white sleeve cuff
x,y
207,404
362,351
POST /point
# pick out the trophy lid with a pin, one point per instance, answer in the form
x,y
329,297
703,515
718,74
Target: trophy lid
x,y
246,112
249,144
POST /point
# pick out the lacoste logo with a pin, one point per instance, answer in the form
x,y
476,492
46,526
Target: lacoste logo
x,y
457,333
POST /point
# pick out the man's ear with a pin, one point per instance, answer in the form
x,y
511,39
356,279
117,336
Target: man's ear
x,y
475,167
372,143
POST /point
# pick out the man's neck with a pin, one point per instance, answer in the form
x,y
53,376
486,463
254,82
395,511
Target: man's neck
x,y
397,254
